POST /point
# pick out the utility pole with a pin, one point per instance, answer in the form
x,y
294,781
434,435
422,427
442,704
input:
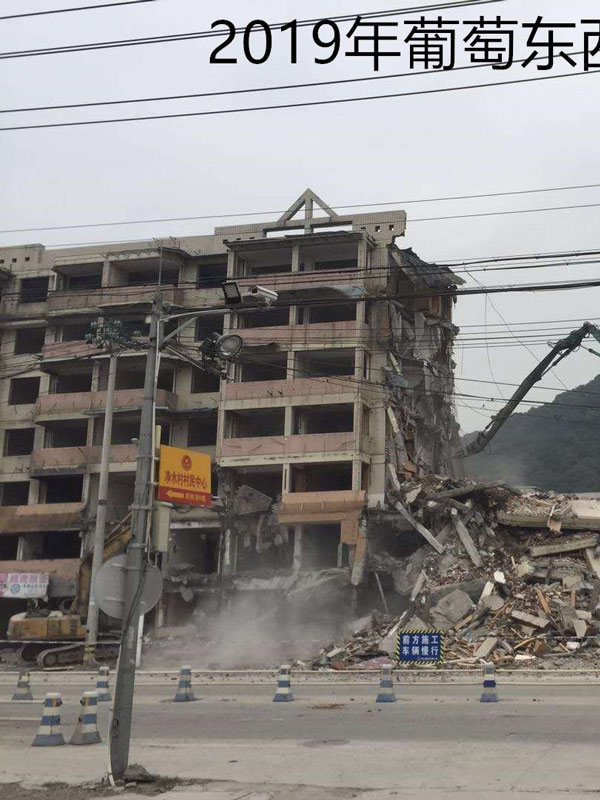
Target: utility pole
x,y
216,349
120,731
101,509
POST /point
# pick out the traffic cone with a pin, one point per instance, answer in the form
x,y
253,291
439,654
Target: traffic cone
x,y
490,693
386,686
23,687
86,730
185,693
102,687
284,691
49,733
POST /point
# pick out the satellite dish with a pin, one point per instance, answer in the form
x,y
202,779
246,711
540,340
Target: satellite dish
x,y
109,587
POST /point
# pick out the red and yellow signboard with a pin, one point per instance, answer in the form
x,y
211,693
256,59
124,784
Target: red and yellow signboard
x,y
184,477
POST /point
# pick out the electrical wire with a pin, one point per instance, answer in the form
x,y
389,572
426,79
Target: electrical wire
x,y
277,88
76,8
303,104
333,275
283,211
179,37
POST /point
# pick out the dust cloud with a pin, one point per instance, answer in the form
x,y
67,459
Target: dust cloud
x,y
257,629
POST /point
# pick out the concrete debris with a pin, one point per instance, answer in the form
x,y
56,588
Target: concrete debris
x,y
485,648
522,616
565,545
504,591
451,609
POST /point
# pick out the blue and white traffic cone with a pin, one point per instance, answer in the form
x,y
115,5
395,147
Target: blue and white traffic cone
x,y
86,730
284,691
185,693
490,693
23,687
102,687
49,733
386,686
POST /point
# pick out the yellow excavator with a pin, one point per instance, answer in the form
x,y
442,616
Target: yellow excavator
x,y
35,630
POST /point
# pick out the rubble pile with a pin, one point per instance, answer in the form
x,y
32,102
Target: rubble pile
x,y
511,578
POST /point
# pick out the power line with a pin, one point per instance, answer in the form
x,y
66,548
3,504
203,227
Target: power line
x,y
304,104
283,211
180,37
77,8
258,89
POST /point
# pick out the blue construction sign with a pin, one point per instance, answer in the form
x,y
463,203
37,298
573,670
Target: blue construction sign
x,y
420,647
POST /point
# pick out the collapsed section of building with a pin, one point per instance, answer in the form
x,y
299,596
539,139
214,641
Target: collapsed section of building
x,y
343,391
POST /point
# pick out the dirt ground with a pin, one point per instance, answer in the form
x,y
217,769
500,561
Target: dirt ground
x,y
64,791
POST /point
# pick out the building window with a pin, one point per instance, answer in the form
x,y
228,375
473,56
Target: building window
x,y
15,493
202,431
34,290
18,441
203,381
23,391
29,340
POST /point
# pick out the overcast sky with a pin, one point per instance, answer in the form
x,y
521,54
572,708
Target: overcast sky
x,y
543,134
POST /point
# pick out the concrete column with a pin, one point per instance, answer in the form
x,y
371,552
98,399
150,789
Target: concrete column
x,y
297,547
230,552
356,474
285,484
231,264
288,429
34,492
362,254
291,365
106,276
296,258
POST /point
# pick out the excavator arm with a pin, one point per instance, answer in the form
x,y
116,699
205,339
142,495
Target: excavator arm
x,y
559,351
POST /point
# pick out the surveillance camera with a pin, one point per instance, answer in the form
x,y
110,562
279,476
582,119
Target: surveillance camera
x,y
268,295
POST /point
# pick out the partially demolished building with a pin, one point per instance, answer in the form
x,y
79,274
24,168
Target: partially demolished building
x,y
344,388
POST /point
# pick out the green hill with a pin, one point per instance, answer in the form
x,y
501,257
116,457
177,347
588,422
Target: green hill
x,y
554,446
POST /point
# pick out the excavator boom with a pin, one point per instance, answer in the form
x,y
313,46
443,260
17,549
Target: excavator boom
x,y
559,351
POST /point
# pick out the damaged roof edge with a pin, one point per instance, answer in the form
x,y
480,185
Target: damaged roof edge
x,y
419,271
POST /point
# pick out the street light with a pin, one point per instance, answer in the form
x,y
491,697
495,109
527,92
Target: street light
x,y
225,346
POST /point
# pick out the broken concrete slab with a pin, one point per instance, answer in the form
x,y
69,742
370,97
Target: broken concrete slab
x,y
593,560
564,545
580,626
416,624
493,602
362,625
530,619
451,609
465,538
427,535
486,647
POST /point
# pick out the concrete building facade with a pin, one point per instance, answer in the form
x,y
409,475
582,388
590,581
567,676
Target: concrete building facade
x,y
343,385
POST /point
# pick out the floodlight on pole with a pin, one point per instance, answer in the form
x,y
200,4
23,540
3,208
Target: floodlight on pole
x,y
231,293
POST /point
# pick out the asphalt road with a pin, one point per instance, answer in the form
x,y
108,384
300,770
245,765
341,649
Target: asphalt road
x,y
434,741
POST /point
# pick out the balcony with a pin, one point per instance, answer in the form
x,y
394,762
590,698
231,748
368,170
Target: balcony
x,y
87,301
52,406
57,460
319,335
301,387
59,351
285,446
41,517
